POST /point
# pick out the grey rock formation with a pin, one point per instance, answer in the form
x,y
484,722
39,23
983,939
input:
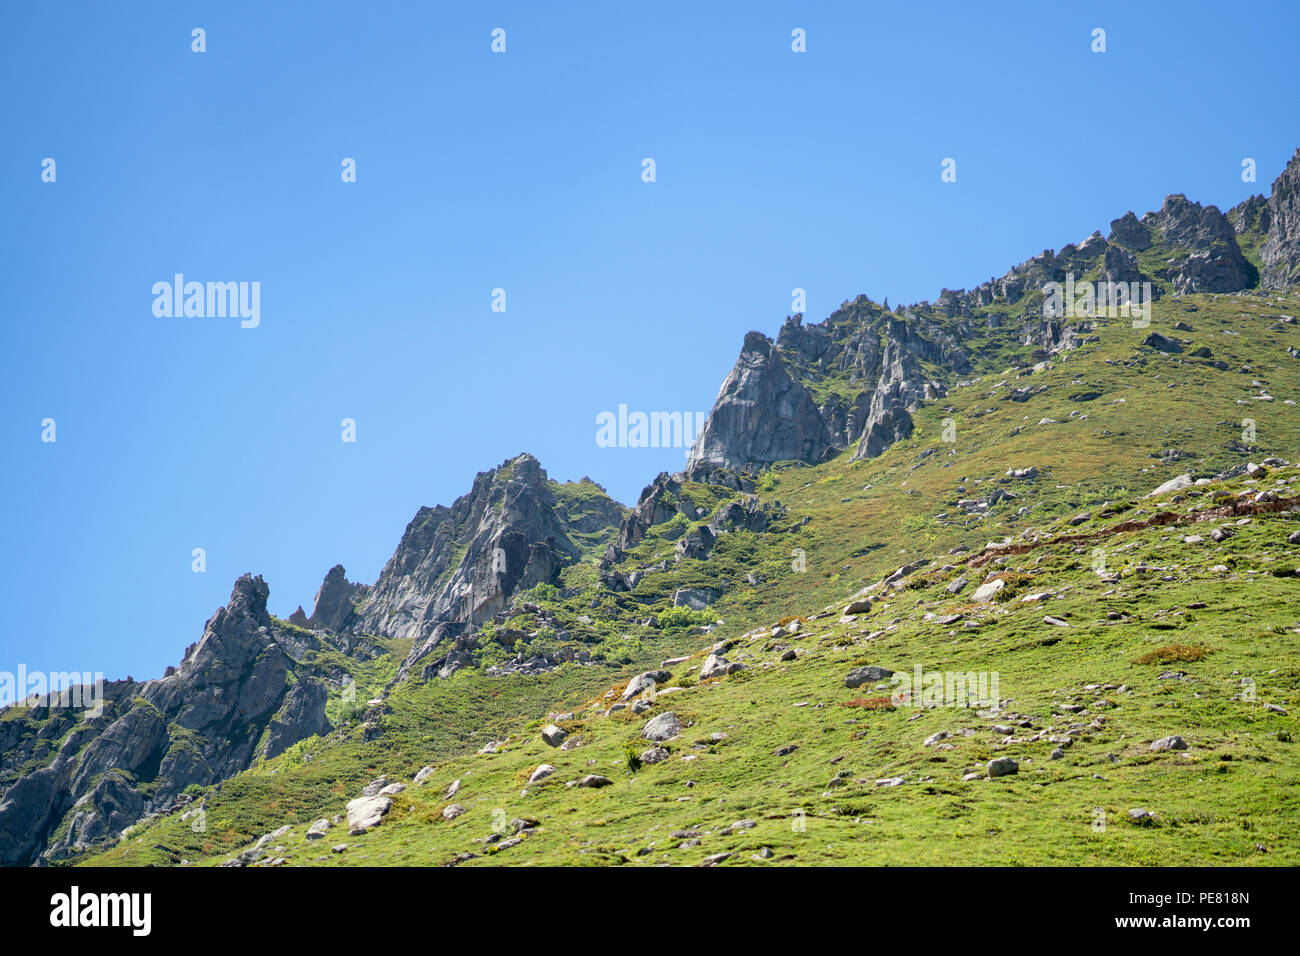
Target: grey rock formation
x,y
766,411
761,415
333,610
1130,233
1212,260
1281,253
457,567
301,716
1250,216
198,725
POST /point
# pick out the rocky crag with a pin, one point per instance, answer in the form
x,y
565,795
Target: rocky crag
x,y
240,695
854,380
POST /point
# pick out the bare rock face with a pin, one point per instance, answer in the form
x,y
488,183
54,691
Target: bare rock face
x,y
333,609
1184,224
1250,215
1212,260
761,415
766,411
1130,233
457,567
198,725
301,716
1281,253
460,564
659,502
899,391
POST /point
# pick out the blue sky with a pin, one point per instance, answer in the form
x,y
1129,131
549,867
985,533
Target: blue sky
x,y
520,171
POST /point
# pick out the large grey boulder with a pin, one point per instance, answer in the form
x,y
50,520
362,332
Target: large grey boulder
x,y
666,726
871,674
643,682
366,812
1173,484
716,665
988,591
553,735
697,599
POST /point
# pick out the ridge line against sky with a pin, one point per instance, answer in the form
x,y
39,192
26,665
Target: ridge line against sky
x,y
522,170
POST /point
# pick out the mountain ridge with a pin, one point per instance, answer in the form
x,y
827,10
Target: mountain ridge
x,y
456,591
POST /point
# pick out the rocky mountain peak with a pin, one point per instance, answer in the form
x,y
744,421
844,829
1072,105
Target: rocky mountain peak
x,y
333,609
762,414
1281,253
455,567
201,723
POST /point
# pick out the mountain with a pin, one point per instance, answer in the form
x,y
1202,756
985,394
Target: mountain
x,y
244,691
970,486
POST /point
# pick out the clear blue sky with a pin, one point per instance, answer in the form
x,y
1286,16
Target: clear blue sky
x,y
522,171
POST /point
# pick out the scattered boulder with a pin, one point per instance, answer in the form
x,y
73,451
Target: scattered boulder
x,y
553,735
654,755
1173,484
716,666
644,682
366,812
1002,766
986,592
666,726
697,599
1173,742
1162,343
317,830
870,674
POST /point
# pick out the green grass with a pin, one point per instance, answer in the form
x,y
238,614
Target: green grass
x,y
1233,792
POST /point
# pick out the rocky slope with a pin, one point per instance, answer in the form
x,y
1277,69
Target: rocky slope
x,y
1110,558
239,695
854,380
455,568
1281,222
523,574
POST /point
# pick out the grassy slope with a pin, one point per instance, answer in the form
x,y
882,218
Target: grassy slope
x,y
1233,790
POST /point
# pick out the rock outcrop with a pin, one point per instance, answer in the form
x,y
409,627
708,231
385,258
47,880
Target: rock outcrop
x,y
199,725
762,415
1281,253
865,359
333,609
457,567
